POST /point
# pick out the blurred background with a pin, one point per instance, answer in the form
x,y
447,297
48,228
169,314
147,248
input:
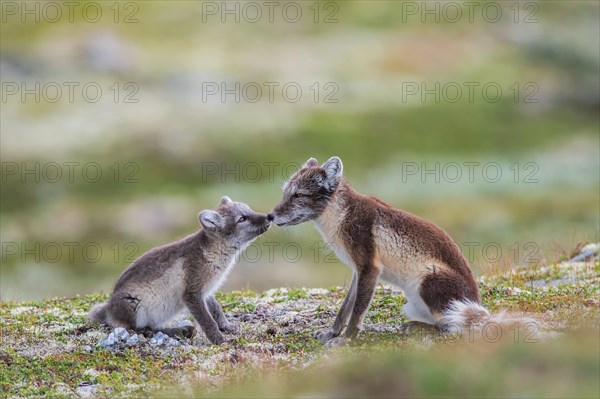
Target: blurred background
x,y
120,121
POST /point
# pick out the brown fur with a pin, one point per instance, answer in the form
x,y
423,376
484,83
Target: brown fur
x,y
376,239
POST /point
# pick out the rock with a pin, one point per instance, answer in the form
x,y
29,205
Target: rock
x,y
159,339
87,348
121,334
86,390
133,340
109,340
586,252
117,335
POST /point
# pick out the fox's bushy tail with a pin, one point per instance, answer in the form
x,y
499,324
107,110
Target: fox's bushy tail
x,y
467,317
99,313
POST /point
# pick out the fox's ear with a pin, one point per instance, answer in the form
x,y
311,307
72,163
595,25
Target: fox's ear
x,y
210,220
333,168
310,163
333,174
225,200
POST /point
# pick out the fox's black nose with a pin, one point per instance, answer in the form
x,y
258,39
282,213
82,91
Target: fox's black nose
x,y
270,217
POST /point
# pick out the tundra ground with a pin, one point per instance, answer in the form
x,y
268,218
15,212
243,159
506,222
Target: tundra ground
x,y
48,348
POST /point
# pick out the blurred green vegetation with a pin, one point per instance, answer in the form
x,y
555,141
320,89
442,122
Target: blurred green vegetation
x,y
564,368
373,49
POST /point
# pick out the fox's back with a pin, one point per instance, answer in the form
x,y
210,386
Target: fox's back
x,y
152,265
416,238
406,245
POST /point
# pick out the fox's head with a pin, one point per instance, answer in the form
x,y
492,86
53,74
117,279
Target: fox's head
x,y
234,222
308,192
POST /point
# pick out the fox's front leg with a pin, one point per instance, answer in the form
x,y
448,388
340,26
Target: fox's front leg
x,y
217,313
342,317
198,308
365,288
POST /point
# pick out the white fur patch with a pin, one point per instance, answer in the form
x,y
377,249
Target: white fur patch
x,y
328,225
216,281
460,313
161,300
469,318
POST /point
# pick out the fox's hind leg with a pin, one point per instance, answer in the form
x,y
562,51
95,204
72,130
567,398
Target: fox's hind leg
x,y
181,332
122,310
416,326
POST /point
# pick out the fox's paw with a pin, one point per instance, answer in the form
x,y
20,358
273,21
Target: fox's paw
x,y
187,332
324,336
407,328
229,328
414,327
335,342
217,339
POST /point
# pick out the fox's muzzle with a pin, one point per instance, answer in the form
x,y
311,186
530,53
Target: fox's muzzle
x,y
265,226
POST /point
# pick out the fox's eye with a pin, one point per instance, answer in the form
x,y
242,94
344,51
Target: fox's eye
x,y
242,219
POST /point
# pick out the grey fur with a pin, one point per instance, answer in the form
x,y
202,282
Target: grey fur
x,y
184,274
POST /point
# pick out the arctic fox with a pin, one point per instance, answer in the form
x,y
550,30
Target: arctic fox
x,y
377,240
184,274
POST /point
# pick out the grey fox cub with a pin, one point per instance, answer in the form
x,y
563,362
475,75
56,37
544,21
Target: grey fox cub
x,y
377,240
184,274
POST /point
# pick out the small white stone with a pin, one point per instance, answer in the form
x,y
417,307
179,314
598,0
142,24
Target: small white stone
x,y
110,340
133,340
87,391
158,339
121,333
591,248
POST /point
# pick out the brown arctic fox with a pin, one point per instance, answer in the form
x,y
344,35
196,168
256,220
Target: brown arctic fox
x,y
377,240
184,274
